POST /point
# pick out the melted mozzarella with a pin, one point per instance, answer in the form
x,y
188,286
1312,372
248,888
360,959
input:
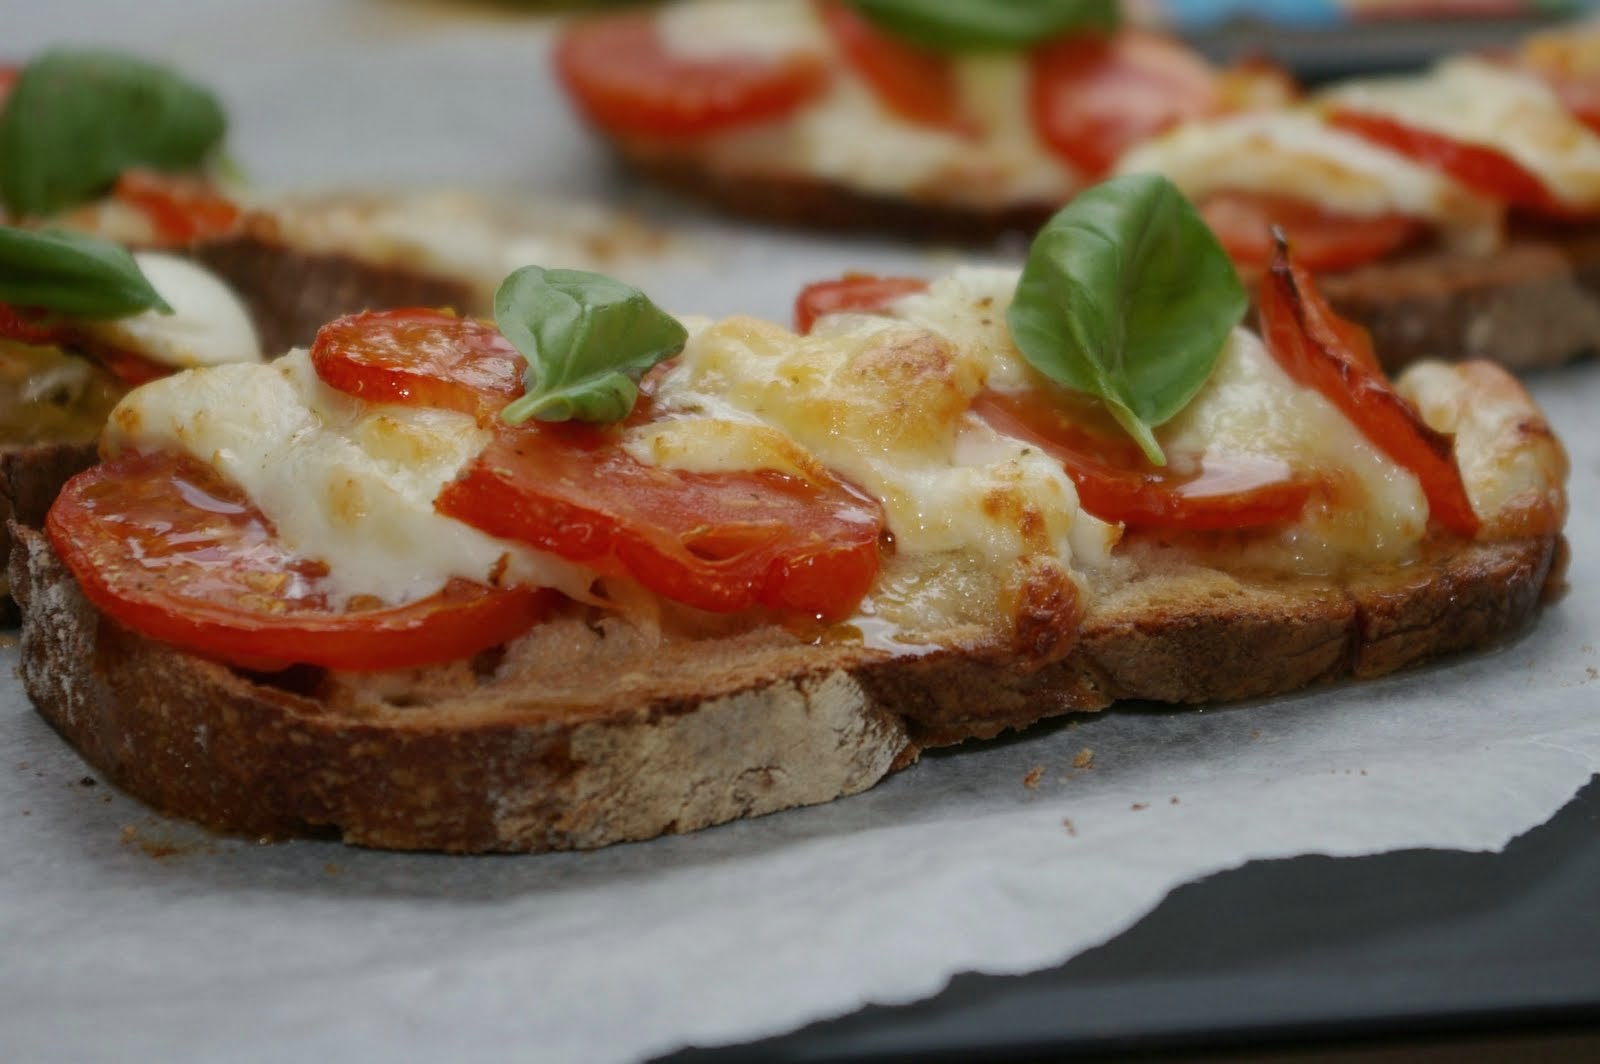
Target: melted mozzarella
x,y
345,482
1496,106
1294,153
883,403
208,324
1250,407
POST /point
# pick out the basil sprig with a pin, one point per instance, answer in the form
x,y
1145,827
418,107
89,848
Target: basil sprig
x,y
587,338
72,275
976,25
75,120
1128,297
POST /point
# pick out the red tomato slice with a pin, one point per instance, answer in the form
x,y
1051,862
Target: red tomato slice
x,y
162,544
914,83
1322,240
863,292
717,541
182,209
1094,97
1116,482
1482,169
420,356
130,367
1309,341
29,328
623,79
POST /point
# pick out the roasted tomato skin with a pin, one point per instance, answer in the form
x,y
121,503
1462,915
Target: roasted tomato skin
x,y
1322,240
1094,96
1483,169
722,542
860,292
912,82
165,546
1117,483
623,79
420,356
1319,349
181,209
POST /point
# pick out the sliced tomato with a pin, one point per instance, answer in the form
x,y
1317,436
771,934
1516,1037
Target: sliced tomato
x,y
1310,342
29,327
917,84
129,367
1093,97
164,545
623,78
420,356
181,209
1116,482
1481,168
863,292
1322,240
716,541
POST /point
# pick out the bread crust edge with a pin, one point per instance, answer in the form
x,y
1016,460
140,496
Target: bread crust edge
x,y
201,741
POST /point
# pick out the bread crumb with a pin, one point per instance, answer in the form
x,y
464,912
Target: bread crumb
x,y
88,781
1083,759
1035,774
1139,807
1255,733
1072,829
1173,800
1593,673
331,869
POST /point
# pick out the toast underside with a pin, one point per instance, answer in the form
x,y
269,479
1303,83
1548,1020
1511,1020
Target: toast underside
x,y
585,734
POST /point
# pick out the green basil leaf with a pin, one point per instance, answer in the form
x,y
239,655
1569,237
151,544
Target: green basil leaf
x,y
73,275
1128,297
977,25
76,120
587,338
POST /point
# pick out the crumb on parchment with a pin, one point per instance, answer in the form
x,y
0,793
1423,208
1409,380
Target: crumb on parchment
x,y
1083,758
1035,774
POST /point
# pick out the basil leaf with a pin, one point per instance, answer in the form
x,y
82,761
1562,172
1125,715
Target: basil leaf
x,y
1128,297
587,338
76,120
73,275
976,25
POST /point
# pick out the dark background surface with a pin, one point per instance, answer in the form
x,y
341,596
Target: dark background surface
x,y
1419,954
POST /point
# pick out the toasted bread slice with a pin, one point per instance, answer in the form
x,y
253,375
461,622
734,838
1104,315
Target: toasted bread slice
x,y
590,732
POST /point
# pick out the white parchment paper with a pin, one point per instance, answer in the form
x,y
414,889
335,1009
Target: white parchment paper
x,y
128,936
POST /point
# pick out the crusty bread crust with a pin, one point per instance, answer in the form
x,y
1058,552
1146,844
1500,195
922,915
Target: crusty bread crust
x,y
30,478
580,736
1534,303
